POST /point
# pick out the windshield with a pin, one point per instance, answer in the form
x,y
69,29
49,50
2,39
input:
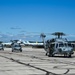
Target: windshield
x,y
17,45
61,45
66,44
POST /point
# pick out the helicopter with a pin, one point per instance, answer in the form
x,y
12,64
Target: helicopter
x,y
16,46
1,46
57,45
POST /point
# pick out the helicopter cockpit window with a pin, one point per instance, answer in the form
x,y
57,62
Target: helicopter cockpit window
x,y
66,44
17,45
52,45
61,45
56,45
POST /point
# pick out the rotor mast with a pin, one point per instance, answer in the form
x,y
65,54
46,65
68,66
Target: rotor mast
x,y
59,34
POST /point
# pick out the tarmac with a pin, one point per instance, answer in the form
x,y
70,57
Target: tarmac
x,y
33,61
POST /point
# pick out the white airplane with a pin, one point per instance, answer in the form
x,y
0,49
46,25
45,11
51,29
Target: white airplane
x,y
33,44
26,43
8,44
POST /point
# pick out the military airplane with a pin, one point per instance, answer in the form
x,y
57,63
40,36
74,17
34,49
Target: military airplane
x,y
7,43
33,43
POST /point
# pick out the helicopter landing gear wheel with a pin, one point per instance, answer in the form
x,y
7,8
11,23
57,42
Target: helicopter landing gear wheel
x,y
51,53
20,50
46,54
69,55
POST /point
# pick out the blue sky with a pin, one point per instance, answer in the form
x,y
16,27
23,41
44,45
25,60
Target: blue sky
x,y
43,16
